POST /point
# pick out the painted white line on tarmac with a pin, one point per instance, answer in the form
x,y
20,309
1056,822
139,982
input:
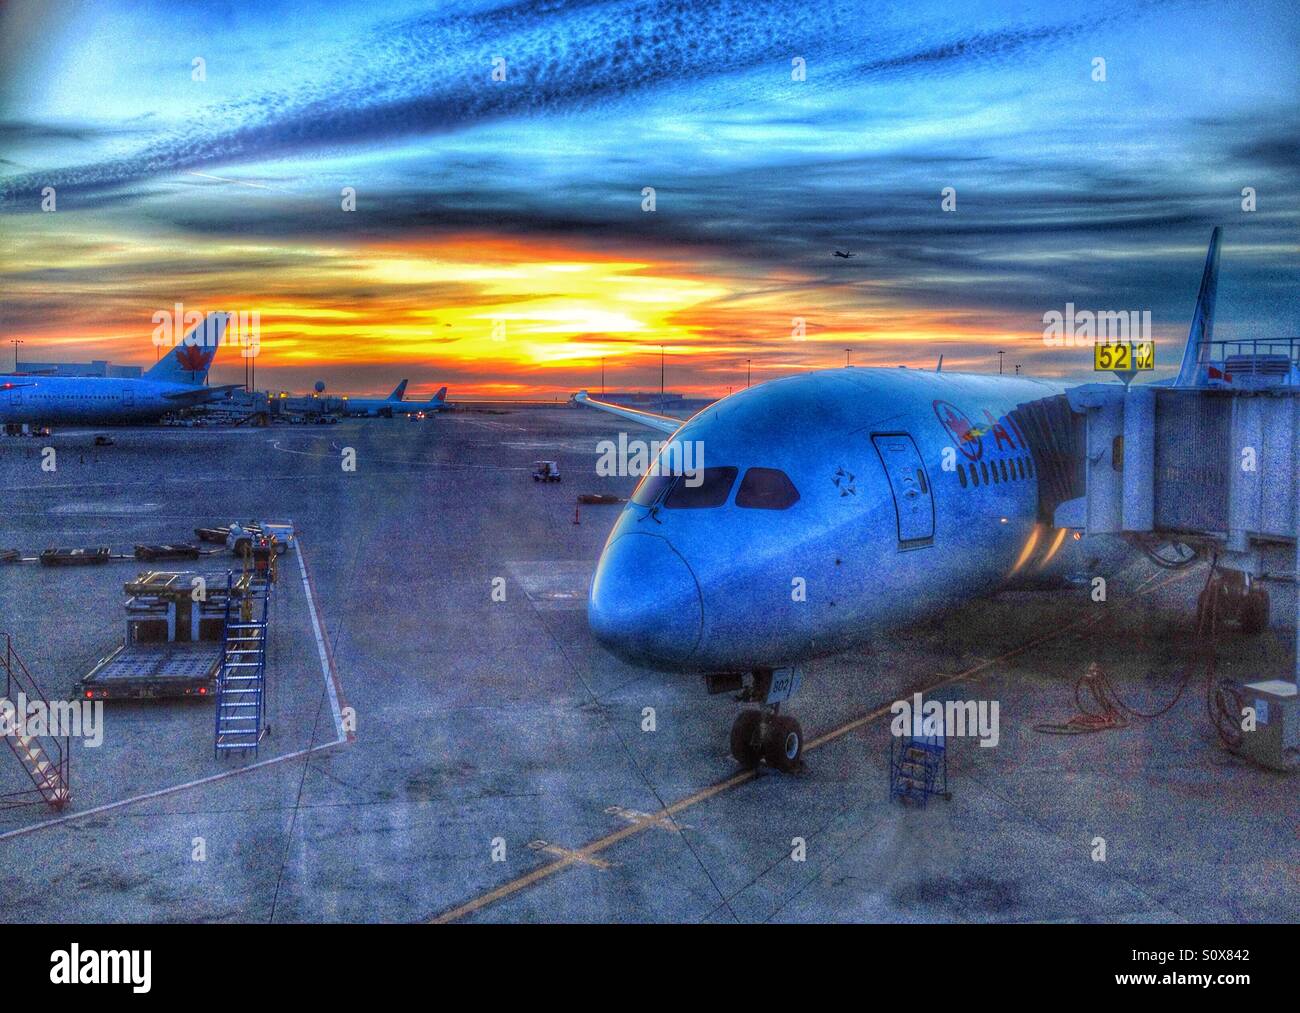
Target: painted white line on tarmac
x,y
326,664
173,789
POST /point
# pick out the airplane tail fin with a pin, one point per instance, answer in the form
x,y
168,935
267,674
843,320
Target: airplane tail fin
x,y
191,357
398,392
441,395
1194,367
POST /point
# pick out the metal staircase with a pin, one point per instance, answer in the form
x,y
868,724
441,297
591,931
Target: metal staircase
x,y
241,679
918,768
44,758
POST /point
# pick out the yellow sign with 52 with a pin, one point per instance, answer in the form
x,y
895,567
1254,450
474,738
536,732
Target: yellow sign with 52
x,y
1124,357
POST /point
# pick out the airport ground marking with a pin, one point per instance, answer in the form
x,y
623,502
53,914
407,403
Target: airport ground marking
x,y
578,855
410,466
332,686
170,790
569,855
636,816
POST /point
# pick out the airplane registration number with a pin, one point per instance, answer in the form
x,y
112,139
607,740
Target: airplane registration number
x,y
785,683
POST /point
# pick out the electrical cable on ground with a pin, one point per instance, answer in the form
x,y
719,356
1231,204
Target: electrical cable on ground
x,y
1101,708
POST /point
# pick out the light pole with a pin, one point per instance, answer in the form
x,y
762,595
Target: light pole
x,y
661,377
602,376
1000,354
748,370
846,356
17,342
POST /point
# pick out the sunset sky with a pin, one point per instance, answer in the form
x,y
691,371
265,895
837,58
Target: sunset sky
x,y
499,244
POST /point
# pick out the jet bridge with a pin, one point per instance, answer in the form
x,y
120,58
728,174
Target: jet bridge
x,y
1209,469
1214,469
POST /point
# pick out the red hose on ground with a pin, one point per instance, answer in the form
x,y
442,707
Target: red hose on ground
x,y
1108,710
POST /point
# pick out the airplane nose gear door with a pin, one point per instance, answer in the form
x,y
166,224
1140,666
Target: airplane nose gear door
x,y
912,498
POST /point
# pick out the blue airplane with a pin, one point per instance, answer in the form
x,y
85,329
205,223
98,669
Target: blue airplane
x,y
394,405
831,508
177,380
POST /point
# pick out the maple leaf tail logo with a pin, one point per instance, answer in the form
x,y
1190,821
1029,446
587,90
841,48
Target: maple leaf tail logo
x,y
194,358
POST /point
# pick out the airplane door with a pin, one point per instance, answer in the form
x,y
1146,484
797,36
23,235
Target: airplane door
x,y
128,397
913,501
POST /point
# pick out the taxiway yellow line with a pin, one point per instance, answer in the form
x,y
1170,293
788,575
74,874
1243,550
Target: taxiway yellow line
x,y
584,854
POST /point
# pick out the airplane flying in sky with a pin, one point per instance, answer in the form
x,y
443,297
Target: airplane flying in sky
x,y
394,405
845,256
176,381
834,507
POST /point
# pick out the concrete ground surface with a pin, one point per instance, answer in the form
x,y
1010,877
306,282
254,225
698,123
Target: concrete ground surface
x,y
487,728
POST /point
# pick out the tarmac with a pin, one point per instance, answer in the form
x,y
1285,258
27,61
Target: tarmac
x,y
438,755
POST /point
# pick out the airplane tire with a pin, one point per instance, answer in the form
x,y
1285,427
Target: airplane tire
x,y
783,745
1255,611
743,733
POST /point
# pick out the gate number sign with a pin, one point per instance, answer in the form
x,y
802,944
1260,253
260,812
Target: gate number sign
x,y
1133,355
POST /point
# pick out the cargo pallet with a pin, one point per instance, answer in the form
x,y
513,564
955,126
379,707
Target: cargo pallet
x,y
173,639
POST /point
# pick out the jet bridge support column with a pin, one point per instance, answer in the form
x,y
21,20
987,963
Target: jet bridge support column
x,y
1244,484
1139,475
1295,519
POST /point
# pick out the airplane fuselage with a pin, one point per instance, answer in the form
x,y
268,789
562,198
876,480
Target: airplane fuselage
x,y
915,494
60,400
387,409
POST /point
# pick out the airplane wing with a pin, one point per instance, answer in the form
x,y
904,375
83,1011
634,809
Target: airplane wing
x,y
663,423
202,395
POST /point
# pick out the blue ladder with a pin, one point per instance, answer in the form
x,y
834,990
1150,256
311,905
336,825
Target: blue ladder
x,y
241,679
918,768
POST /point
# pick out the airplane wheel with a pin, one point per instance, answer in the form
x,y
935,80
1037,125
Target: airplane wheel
x,y
743,734
1255,611
783,744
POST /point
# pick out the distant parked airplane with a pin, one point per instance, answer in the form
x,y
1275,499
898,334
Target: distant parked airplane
x,y
394,405
176,381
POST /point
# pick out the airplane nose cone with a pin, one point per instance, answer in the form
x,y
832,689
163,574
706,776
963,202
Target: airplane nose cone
x,y
645,602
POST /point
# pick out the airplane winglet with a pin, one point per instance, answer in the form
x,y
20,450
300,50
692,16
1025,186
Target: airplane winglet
x,y
1196,352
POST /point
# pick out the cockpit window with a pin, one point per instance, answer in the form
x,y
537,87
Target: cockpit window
x,y
649,488
766,489
712,491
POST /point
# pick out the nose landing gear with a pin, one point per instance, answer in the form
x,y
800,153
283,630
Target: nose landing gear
x,y
764,734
